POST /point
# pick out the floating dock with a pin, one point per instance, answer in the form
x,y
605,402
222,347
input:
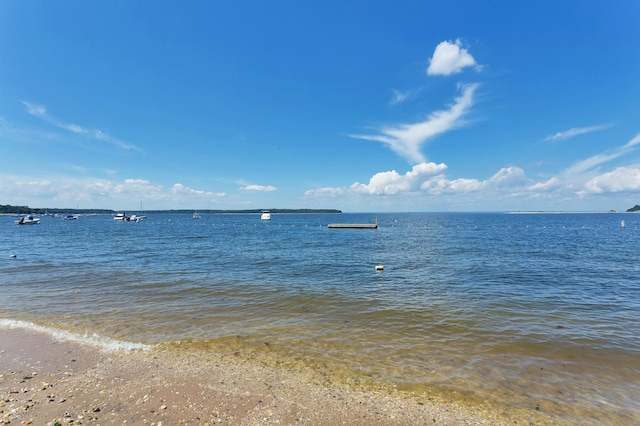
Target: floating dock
x,y
354,225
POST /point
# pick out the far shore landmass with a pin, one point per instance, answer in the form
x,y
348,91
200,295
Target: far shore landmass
x,y
9,209
45,381
25,210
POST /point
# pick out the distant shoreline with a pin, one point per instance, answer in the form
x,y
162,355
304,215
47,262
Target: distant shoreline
x,y
21,210
7,210
567,212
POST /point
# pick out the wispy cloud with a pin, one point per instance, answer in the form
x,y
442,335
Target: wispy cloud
x,y
450,58
633,142
260,188
8,131
40,111
406,139
591,176
591,163
399,97
179,188
568,134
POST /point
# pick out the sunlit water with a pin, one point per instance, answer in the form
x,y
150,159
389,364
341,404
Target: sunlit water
x,y
538,312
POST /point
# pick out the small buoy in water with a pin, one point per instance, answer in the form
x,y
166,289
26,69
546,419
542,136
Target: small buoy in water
x,y
12,256
380,268
622,223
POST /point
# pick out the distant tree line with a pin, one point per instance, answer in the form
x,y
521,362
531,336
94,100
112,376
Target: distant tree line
x,y
635,208
8,209
254,211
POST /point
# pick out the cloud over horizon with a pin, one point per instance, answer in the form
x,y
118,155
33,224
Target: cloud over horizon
x,y
582,179
426,178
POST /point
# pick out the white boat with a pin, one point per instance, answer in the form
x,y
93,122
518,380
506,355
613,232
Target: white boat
x,y
265,215
136,218
122,216
196,215
71,217
28,220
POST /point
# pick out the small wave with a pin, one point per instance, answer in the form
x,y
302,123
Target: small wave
x,y
104,343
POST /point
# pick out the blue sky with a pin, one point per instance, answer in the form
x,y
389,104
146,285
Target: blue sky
x,y
355,105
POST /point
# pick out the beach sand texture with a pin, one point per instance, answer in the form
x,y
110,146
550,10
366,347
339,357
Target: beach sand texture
x,y
44,381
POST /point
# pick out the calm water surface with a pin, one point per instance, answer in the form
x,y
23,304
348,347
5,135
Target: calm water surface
x,y
539,312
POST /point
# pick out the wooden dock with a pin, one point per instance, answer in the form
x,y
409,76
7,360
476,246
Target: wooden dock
x,y
354,225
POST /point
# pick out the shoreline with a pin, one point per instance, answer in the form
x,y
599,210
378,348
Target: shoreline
x,y
44,380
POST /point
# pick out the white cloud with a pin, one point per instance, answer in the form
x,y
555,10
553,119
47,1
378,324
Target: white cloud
x,y
406,139
508,177
262,188
430,179
550,184
392,182
41,112
450,58
88,192
567,134
460,185
621,179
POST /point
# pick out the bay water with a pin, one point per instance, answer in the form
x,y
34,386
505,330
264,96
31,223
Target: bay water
x,y
533,312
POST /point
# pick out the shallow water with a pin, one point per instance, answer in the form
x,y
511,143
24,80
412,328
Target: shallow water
x,y
539,312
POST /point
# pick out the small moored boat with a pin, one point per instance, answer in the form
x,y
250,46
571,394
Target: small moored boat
x,y
265,215
28,220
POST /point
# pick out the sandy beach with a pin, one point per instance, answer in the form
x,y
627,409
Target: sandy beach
x,y
44,381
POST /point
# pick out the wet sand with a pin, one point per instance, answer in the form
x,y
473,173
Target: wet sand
x,y
44,381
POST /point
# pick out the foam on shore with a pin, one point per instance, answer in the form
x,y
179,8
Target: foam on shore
x,y
104,343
